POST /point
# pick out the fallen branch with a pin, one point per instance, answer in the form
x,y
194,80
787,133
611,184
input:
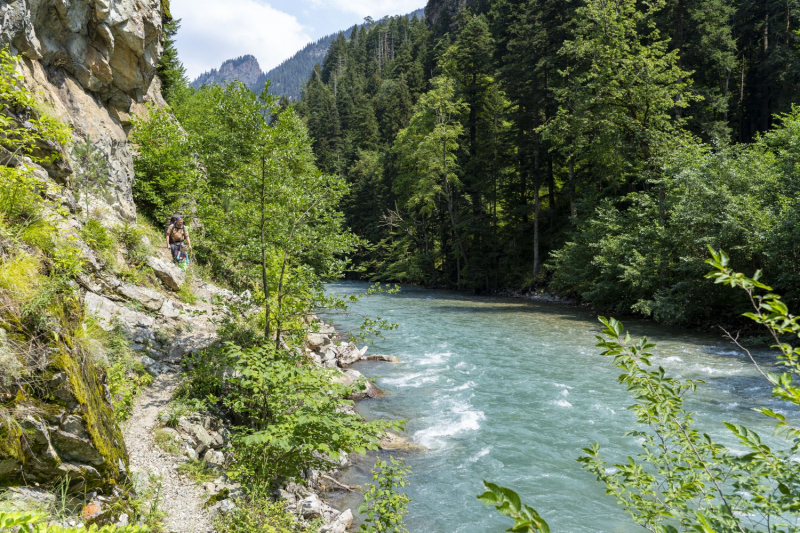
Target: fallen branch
x,y
340,485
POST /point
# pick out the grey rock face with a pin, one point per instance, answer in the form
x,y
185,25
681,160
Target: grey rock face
x,y
93,63
147,297
171,276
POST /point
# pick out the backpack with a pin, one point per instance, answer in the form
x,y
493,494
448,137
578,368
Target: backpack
x,y
173,231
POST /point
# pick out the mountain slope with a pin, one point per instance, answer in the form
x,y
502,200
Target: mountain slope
x,y
288,78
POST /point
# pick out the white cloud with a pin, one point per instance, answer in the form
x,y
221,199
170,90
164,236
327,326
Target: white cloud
x,y
213,31
375,8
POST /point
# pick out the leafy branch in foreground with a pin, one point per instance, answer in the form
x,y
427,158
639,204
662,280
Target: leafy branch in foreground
x,y
384,507
683,480
508,503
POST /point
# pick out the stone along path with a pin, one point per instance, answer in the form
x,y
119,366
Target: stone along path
x,y
181,498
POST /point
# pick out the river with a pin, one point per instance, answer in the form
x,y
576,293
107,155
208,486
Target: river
x,y
511,390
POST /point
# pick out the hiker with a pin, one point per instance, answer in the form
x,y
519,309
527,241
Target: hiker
x,y
177,234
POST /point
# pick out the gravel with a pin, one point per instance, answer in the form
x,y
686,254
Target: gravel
x,y
182,499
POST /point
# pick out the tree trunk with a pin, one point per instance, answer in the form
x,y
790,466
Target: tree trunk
x,y
263,243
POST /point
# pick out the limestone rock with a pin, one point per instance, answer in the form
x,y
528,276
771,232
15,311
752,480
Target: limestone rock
x,y
168,310
215,458
110,314
198,433
310,507
348,353
318,340
340,525
147,297
170,275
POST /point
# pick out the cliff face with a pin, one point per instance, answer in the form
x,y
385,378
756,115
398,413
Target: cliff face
x,y
90,64
93,64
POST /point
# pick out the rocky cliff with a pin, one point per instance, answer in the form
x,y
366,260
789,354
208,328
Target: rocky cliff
x,y
244,69
91,64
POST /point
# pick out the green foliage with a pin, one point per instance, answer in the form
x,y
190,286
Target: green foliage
x,y
36,523
199,471
136,242
167,442
508,503
290,412
125,374
167,178
262,515
682,477
185,293
99,239
170,70
384,506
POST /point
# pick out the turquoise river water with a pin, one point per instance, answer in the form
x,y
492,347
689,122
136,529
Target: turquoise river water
x,y
510,391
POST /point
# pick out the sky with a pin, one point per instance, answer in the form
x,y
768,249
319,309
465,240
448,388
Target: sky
x,y
272,30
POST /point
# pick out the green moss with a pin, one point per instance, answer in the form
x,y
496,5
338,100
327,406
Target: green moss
x,y
97,415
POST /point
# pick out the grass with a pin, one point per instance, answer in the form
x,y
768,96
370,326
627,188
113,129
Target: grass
x,y
185,293
262,515
198,470
99,239
167,442
147,507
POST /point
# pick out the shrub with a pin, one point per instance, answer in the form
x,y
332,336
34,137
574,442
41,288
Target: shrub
x,y
290,412
99,239
264,516
384,506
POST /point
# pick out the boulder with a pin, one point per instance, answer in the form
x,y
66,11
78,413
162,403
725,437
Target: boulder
x,y
348,353
214,458
318,340
310,507
170,275
340,525
109,314
75,449
149,298
199,434
168,310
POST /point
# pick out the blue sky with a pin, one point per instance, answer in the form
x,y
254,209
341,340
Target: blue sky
x,y
272,30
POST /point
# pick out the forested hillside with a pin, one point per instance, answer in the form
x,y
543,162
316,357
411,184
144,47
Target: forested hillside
x,y
594,148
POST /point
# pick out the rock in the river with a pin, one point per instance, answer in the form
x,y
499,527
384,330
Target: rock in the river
x,y
340,525
349,353
381,358
170,275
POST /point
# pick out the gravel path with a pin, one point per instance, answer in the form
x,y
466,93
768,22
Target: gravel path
x,y
181,497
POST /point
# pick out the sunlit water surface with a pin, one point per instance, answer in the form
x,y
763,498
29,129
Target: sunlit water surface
x,y
510,391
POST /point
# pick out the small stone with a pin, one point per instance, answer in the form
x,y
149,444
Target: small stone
x,y
215,458
123,521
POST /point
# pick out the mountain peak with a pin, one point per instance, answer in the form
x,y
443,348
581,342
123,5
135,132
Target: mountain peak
x,y
244,68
